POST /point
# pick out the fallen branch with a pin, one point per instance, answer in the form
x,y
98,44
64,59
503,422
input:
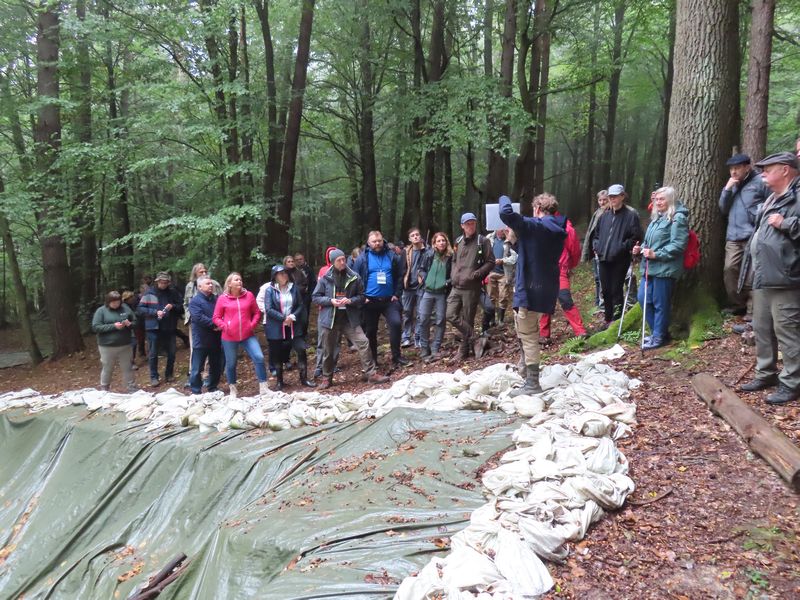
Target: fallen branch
x,y
662,495
762,438
746,371
727,538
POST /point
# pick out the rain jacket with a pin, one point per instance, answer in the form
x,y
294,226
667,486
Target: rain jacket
x,y
270,302
668,239
616,233
740,204
326,291
201,309
238,317
540,242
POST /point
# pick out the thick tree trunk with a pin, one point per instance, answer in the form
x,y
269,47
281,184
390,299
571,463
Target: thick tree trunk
x,y
762,438
497,177
435,62
20,293
279,243
666,99
60,305
754,140
700,128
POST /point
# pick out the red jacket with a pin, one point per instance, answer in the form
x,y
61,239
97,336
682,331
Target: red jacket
x,y
237,316
324,269
571,254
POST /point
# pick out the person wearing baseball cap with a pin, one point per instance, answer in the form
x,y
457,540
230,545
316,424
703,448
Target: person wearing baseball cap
x,y
160,306
772,263
473,260
738,202
617,232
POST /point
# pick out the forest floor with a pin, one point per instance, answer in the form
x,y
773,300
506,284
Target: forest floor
x,y
708,518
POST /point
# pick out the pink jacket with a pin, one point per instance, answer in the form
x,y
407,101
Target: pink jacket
x,y
237,316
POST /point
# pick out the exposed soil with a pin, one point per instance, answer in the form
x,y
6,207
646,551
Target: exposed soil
x,y
708,519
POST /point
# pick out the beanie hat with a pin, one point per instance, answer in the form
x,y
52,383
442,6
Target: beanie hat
x,y
334,254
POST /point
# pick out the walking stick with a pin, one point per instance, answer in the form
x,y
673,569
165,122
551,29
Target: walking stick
x,y
625,301
644,304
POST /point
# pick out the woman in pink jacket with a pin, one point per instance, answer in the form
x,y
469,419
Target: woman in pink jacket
x,y
237,315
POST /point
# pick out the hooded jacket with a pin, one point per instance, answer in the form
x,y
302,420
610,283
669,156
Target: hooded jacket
x,y
326,291
777,250
668,239
238,317
540,242
324,269
571,254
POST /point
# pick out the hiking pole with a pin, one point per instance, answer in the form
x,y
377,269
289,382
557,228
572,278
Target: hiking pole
x,y
644,304
625,301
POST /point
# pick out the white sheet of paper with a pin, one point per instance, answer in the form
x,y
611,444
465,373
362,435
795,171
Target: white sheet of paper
x,y
493,216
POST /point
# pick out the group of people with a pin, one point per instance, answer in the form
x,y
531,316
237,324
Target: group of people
x,y
524,266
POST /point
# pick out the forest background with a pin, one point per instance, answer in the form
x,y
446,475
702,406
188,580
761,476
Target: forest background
x,y
137,136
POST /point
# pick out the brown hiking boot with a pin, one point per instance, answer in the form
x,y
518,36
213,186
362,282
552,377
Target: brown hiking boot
x,y
377,378
326,383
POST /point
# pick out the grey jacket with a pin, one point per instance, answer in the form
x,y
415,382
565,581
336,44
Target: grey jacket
x,y
777,250
740,204
326,291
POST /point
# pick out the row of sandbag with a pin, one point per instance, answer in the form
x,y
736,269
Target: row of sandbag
x,y
481,389
564,472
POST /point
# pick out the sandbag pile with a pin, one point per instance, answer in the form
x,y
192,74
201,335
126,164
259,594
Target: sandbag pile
x,y
563,473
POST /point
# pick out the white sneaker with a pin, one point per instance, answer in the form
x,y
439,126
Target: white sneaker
x,y
232,390
263,388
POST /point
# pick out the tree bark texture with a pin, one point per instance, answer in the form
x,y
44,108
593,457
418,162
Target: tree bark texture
x,y
280,237
754,136
436,58
366,133
762,438
60,305
700,129
613,89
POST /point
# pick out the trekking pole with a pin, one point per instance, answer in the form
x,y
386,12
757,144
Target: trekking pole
x,y
625,300
644,304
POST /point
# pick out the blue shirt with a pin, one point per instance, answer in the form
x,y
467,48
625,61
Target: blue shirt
x,y
379,263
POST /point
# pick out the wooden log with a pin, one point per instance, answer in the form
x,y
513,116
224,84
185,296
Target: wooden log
x,y
764,439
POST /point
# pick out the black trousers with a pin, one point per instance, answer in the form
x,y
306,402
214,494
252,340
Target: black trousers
x,y
612,281
392,312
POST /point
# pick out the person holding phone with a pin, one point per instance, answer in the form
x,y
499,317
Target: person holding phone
x,y
113,323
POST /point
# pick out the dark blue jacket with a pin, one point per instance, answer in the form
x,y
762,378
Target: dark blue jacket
x,y
273,324
398,268
539,246
201,310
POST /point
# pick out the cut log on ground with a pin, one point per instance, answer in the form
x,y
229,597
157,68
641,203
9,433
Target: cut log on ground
x,y
763,439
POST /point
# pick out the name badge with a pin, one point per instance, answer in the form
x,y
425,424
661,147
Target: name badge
x,y
381,277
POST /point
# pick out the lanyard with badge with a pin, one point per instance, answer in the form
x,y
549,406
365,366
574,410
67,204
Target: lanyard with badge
x,y
380,276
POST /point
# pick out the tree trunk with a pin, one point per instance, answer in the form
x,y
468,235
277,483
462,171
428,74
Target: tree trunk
x,y
20,293
60,305
543,52
700,128
366,138
754,140
497,177
488,36
666,99
279,241
435,60
613,89
592,123
84,252
762,438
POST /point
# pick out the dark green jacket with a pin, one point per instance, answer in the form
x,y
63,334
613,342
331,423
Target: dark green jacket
x,y
103,325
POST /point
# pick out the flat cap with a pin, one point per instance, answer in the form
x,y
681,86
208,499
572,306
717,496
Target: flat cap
x,y
738,159
780,158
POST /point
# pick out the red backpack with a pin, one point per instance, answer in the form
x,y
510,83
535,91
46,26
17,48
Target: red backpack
x,y
691,256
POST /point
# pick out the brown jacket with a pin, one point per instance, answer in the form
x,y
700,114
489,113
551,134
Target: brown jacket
x,y
472,262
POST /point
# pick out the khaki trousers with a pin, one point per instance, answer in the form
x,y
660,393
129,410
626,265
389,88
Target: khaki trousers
x,y
527,324
330,341
734,253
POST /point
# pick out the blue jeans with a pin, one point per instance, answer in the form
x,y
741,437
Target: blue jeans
x,y
411,323
659,300
199,357
429,302
161,340
253,349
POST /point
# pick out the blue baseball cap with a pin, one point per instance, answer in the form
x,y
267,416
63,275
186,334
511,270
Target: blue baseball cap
x,y
468,217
